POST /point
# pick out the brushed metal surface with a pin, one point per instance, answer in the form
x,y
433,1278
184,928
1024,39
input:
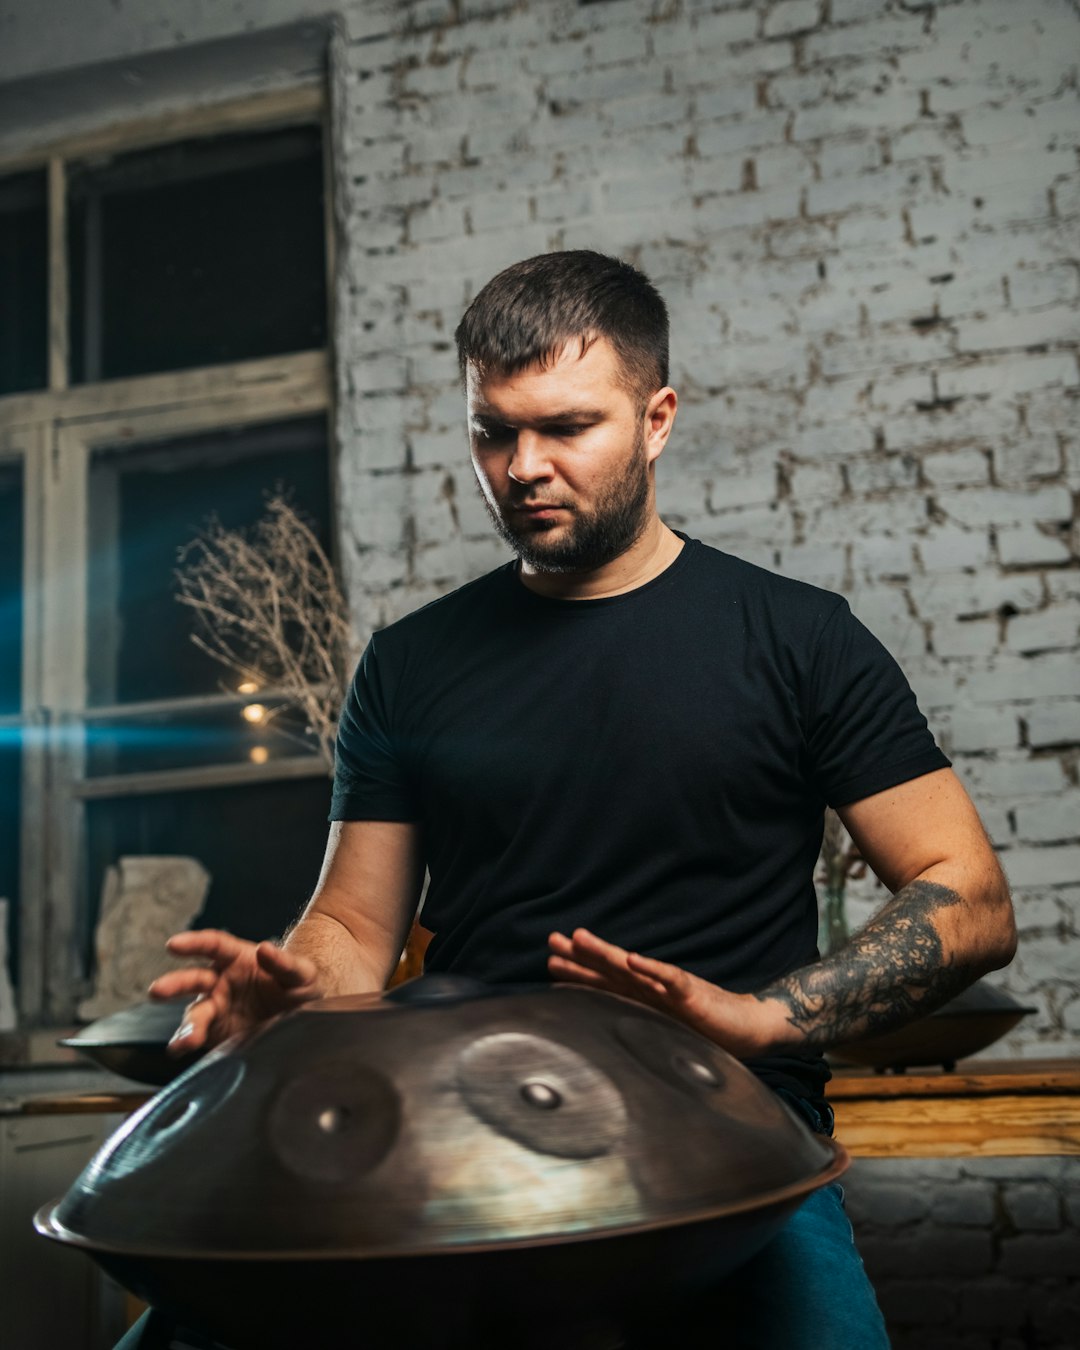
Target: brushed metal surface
x,y
475,1135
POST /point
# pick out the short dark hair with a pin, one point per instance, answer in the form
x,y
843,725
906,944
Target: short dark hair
x,y
527,314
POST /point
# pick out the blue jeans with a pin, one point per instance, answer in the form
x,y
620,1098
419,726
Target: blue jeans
x,y
805,1290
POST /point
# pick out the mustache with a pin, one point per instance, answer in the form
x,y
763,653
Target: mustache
x,y
524,499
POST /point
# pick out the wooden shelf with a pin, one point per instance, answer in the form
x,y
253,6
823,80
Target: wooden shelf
x,y
85,1104
1004,1108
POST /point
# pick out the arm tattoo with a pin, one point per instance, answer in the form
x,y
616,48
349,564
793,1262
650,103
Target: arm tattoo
x,y
891,972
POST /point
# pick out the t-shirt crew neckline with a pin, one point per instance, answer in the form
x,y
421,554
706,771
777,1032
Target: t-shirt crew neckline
x,y
604,601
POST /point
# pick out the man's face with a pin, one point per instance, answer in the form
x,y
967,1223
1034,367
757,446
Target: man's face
x,y
562,460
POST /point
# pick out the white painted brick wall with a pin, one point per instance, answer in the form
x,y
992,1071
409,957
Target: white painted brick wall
x,y
1054,723
787,17
860,231
858,213
968,1254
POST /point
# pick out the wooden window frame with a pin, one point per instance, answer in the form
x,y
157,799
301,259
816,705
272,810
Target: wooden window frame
x,y
54,434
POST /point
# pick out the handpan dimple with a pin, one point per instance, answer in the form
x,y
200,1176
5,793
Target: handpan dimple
x,y
190,1102
334,1123
541,1094
689,1062
678,1056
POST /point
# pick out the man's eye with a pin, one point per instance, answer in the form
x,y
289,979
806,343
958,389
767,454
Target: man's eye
x,y
568,429
491,433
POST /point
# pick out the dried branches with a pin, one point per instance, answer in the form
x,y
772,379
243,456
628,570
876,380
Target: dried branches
x,y
268,606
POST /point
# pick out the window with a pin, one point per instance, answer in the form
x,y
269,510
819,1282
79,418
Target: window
x,y
261,843
146,504
158,705
184,374
196,253
23,283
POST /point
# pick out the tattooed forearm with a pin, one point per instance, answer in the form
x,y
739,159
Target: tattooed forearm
x,y
891,972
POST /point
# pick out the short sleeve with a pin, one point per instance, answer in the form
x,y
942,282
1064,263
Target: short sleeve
x,y
864,730
370,782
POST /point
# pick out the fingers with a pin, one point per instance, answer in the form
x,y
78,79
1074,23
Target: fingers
x,y
638,986
214,944
671,977
569,970
587,947
189,982
222,949
589,944
594,952
193,1032
731,1020
587,959
290,972
587,950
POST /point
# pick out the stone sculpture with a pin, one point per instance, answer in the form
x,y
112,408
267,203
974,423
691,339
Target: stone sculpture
x,y
143,901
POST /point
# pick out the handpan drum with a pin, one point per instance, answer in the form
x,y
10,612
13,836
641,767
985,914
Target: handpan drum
x,y
449,1165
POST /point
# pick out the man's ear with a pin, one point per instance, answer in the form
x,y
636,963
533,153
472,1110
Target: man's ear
x,y
659,419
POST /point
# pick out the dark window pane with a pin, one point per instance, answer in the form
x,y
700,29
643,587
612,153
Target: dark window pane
x,y
10,768
262,846
197,253
148,504
11,603
24,285
247,733
11,616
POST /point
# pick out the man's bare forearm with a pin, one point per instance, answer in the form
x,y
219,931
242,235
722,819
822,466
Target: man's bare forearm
x,y
897,968
345,963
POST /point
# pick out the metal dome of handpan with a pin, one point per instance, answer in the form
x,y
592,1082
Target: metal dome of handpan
x,y
473,1142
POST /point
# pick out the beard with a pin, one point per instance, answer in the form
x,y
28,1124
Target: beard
x,y
592,538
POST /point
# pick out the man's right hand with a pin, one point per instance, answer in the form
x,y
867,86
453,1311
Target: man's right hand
x,y
244,984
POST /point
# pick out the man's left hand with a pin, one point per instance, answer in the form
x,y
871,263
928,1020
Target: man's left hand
x,y
739,1023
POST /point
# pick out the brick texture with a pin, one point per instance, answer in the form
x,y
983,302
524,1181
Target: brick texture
x,y
973,1253
864,216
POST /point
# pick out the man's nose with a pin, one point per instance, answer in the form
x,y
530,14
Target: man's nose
x,y
530,461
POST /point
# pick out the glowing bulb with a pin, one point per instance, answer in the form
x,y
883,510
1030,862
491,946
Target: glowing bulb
x,y
258,754
254,712
248,687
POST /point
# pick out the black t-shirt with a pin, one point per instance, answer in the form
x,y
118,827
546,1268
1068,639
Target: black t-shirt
x,y
653,766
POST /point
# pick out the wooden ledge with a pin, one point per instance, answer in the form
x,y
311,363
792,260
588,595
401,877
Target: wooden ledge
x,y
971,1078
1004,1108
84,1103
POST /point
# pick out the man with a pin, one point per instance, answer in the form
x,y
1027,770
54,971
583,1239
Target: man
x,y
623,743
